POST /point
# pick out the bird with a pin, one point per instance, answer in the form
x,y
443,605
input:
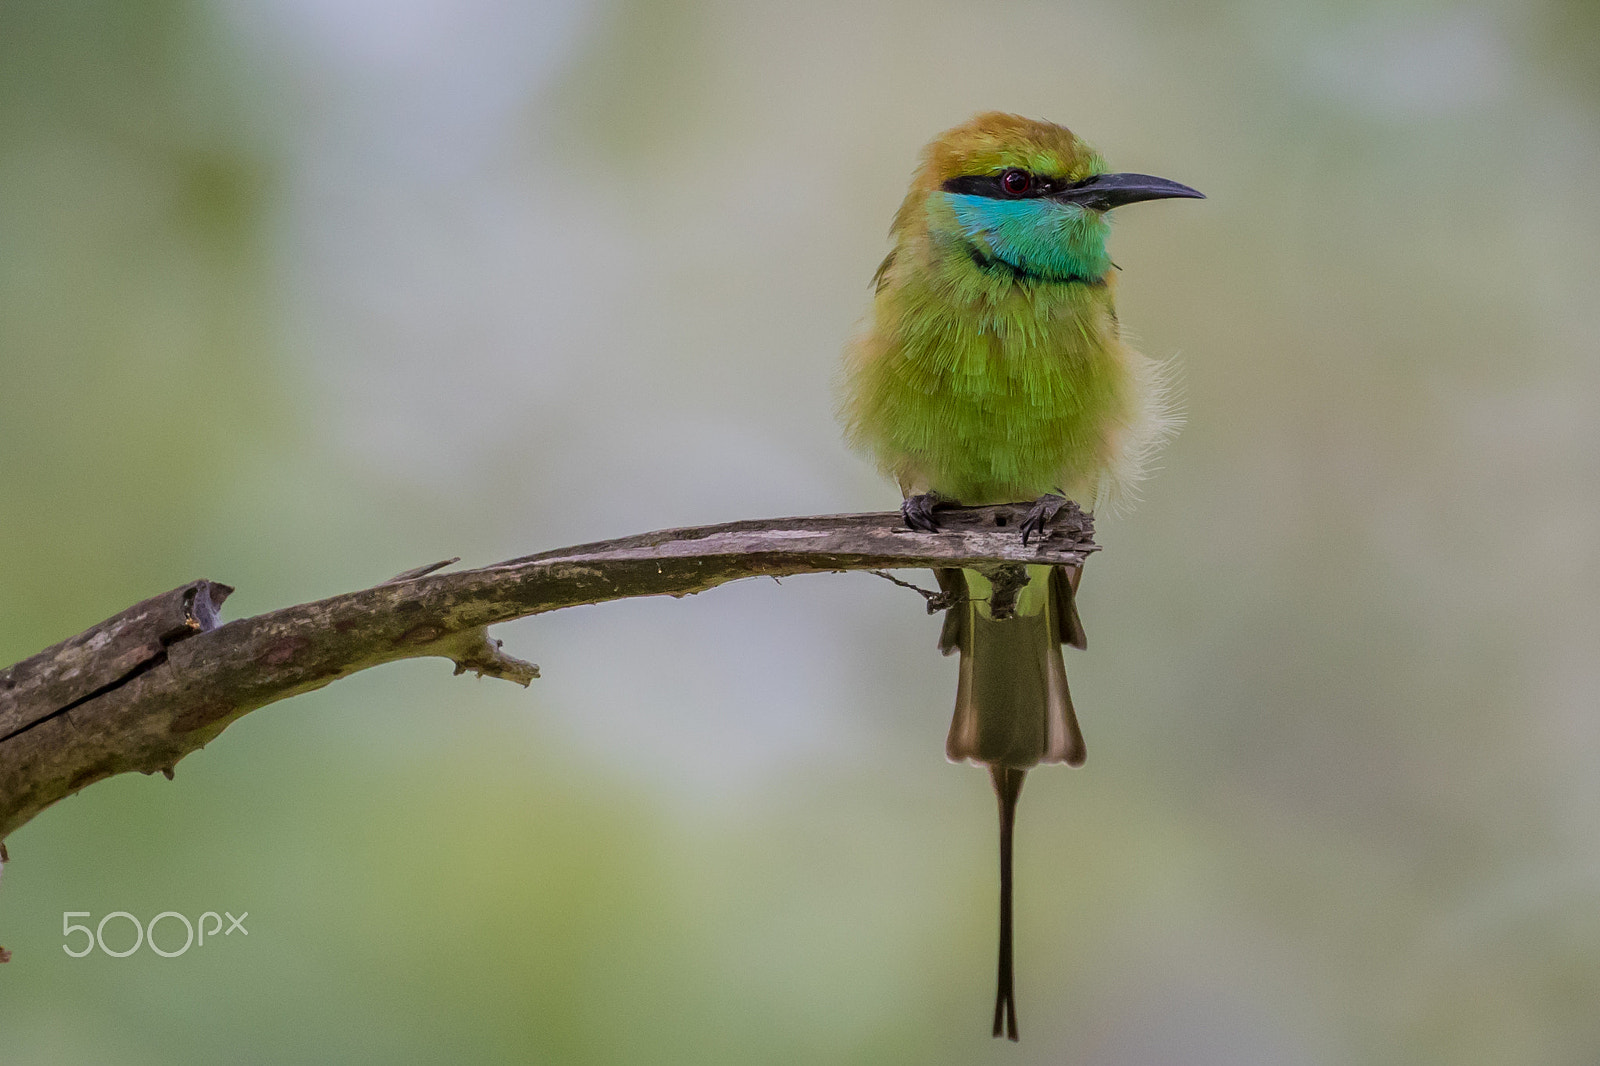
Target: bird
x,y
994,370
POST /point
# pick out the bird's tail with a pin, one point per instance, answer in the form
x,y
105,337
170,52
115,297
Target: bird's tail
x,y
1013,709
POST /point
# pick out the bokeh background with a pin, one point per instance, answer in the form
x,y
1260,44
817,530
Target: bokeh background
x,y
297,294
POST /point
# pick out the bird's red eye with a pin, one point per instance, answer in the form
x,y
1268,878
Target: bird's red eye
x,y
1016,182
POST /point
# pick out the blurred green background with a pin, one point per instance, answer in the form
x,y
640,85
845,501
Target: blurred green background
x,y
297,294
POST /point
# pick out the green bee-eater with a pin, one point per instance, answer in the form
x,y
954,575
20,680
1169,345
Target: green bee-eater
x,y
995,371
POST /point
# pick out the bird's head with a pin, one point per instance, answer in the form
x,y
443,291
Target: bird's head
x,y
1022,197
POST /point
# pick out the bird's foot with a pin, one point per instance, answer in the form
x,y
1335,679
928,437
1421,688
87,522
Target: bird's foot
x,y
1040,515
918,511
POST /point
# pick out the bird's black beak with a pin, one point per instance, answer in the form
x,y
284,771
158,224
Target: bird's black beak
x,y
1105,191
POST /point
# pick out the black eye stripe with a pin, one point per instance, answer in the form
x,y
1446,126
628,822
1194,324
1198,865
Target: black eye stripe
x,y
990,185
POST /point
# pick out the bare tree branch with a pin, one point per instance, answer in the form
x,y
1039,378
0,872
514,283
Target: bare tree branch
x,y
143,689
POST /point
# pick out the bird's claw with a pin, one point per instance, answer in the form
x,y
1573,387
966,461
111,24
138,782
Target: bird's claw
x,y
918,511
1040,515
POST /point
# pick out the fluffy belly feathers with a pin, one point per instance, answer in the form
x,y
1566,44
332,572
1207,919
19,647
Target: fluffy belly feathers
x,y
1004,407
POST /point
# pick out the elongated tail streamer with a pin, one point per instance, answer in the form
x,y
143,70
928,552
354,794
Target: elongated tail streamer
x,y
1007,787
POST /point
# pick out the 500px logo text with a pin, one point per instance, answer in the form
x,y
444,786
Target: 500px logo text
x,y
146,934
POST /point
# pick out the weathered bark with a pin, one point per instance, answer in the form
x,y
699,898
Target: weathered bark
x,y
143,689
